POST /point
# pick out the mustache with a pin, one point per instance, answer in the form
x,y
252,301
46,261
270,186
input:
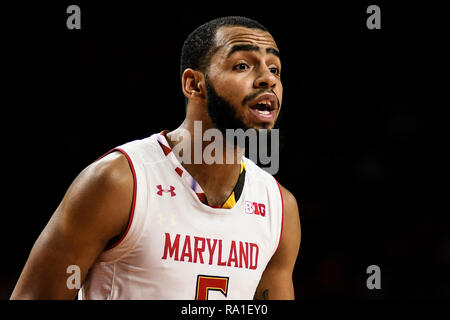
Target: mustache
x,y
257,93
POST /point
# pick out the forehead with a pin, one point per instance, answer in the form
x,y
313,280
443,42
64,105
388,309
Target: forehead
x,y
228,36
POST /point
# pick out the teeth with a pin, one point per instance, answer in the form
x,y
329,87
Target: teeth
x,y
266,102
265,112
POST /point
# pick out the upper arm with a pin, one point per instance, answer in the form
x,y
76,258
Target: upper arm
x,y
95,208
276,281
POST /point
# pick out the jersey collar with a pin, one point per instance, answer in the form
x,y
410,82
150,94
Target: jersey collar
x,y
231,200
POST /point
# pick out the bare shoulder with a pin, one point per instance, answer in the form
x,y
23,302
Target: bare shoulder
x,y
102,192
289,200
112,168
276,281
291,230
95,209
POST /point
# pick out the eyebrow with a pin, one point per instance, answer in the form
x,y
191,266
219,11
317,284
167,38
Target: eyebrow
x,y
251,47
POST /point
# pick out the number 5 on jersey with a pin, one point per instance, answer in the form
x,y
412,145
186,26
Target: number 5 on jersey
x,y
206,283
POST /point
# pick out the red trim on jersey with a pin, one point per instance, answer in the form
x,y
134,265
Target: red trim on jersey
x,y
164,132
134,194
165,149
179,171
282,213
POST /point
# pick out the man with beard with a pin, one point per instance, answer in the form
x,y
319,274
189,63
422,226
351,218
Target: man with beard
x,y
140,224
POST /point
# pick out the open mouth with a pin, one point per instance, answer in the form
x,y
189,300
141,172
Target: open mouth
x,y
264,107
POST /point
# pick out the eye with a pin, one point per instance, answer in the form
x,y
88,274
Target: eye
x,y
241,66
275,70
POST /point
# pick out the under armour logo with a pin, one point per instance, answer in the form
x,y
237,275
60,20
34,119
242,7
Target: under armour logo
x,y
161,190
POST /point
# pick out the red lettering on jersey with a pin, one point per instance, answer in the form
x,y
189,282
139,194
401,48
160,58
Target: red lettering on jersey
x,y
171,249
211,249
262,209
243,254
198,251
247,257
233,255
256,208
187,249
255,255
249,207
219,260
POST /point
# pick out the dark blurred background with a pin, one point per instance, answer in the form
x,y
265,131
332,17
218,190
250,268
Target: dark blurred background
x,y
366,125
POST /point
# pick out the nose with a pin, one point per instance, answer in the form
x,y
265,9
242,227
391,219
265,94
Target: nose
x,y
265,79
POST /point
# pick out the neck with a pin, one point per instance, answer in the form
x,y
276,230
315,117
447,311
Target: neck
x,y
205,153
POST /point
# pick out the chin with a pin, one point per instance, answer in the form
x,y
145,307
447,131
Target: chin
x,y
263,125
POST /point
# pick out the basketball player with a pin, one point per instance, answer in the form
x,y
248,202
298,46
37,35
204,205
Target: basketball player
x,y
140,224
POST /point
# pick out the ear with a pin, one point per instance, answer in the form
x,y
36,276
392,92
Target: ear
x,y
193,84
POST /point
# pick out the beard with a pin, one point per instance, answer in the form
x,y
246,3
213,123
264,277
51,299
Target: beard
x,y
222,112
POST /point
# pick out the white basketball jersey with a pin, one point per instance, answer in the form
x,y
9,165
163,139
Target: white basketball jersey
x,y
176,246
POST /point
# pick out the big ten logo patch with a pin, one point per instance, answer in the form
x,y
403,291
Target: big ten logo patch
x,y
255,208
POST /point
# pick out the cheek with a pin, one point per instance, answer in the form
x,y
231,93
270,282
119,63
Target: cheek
x,y
279,93
234,91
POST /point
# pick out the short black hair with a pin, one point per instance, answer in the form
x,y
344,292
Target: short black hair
x,y
199,45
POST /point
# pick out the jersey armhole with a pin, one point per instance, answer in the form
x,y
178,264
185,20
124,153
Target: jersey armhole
x,y
115,243
282,214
